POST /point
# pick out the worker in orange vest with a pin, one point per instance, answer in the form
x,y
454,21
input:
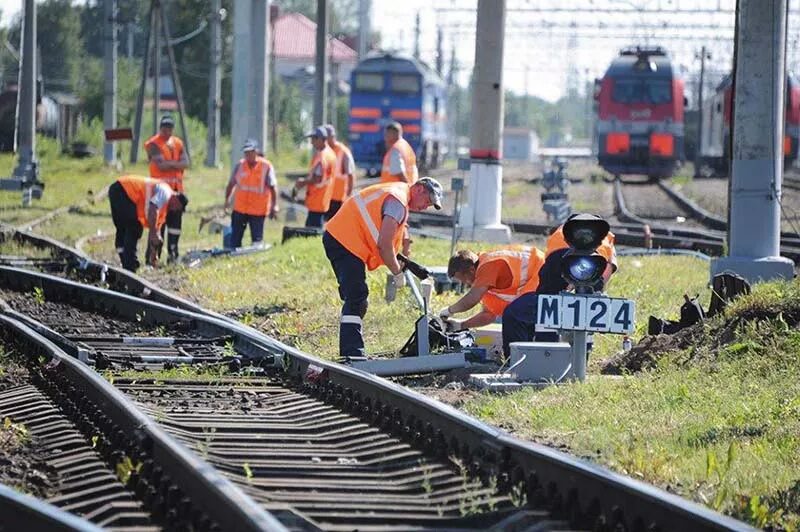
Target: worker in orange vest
x,y
343,172
519,318
496,278
255,195
136,203
400,161
319,182
366,233
168,161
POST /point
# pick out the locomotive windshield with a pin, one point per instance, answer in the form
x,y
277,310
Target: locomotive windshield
x,y
369,82
650,91
408,83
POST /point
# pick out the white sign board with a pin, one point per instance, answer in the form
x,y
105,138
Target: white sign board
x,y
574,312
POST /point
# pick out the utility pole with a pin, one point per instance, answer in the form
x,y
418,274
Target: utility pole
x,y
757,154
416,36
698,158
273,122
321,69
214,86
26,174
259,35
110,83
156,32
481,217
250,79
363,28
439,52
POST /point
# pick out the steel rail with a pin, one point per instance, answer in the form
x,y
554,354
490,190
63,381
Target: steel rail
x,y
584,493
19,511
170,472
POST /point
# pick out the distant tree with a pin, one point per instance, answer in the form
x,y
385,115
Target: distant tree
x,y
59,41
91,89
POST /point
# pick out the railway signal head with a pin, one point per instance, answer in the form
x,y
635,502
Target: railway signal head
x,y
583,266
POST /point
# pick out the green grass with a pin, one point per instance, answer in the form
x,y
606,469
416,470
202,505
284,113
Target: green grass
x,y
718,423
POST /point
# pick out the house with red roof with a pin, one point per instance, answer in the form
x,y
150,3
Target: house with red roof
x,y
294,45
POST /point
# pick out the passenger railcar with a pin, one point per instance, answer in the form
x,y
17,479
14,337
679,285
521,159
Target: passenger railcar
x,y
388,88
717,111
640,104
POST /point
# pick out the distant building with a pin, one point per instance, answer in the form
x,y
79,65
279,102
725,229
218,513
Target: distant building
x,y
520,144
294,46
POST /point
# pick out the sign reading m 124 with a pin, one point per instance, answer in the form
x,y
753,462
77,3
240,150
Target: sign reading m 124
x,y
573,312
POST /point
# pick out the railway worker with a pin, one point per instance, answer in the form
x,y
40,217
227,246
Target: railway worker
x,y
519,318
496,278
366,233
400,161
343,172
255,195
319,183
136,203
168,162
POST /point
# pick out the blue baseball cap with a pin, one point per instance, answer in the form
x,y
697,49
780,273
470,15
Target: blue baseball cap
x,y
319,132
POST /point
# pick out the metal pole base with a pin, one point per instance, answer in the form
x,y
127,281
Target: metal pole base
x,y
755,269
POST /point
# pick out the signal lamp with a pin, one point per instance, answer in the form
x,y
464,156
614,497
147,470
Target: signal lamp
x,y
582,266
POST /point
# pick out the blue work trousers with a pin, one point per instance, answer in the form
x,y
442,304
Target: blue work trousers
x,y
351,274
239,221
519,317
315,219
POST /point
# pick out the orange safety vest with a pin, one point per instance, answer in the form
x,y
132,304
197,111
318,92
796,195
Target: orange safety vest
x,y
340,178
318,196
409,158
524,263
357,224
171,150
556,241
140,190
252,195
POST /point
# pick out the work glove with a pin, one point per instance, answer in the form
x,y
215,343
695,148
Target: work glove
x,y
444,313
399,280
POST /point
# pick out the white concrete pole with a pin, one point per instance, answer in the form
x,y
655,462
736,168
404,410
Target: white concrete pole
x,y
241,94
259,35
757,155
363,28
26,95
481,217
321,68
110,83
214,86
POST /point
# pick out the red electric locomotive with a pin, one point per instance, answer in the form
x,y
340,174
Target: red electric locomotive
x,y
715,136
640,114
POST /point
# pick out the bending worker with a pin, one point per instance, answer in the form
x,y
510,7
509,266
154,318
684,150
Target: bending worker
x,y
366,233
519,318
168,161
495,278
320,178
136,203
255,195
343,172
400,161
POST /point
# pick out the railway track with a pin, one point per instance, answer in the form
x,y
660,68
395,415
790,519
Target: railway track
x,y
109,464
323,446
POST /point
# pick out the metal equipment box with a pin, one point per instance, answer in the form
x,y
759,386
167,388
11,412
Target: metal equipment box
x,y
541,361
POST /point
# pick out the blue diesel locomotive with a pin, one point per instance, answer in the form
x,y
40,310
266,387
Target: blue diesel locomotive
x,y
388,88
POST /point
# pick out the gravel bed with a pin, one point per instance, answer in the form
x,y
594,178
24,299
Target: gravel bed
x,y
712,195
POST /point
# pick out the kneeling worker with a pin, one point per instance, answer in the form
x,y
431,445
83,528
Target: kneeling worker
x,y
519,318
495,278
138,202
366,233
255,195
